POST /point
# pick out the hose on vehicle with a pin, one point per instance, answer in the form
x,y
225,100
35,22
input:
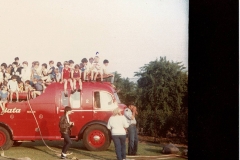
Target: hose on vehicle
x,y
39,127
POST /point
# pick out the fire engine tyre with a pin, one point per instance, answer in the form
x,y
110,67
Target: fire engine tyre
x,y
96,138
5,139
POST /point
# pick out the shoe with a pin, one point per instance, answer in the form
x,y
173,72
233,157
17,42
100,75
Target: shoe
x,y
79,90
93,81
73,91
65,94
63,156
17,101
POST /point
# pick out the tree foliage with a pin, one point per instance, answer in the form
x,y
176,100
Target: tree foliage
x,y
127,89
162,89
160,95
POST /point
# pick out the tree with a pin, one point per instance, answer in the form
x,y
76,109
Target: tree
x,y
127,88
162,86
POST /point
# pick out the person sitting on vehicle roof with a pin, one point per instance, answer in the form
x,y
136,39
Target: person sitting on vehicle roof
x,y
13,88
16,71
66,77
76,76
38,86
51,70
97,70
36,71
106,74
4,99
29,89
57,75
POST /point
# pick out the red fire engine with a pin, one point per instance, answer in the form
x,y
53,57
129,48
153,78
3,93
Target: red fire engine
x,y
92,108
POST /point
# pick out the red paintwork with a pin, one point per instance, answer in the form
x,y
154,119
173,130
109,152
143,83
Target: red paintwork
x,y
48,110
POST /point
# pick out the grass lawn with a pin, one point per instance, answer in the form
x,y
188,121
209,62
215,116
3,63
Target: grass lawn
x,y
38,151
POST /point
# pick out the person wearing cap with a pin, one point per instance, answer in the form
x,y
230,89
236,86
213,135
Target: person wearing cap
x,y
130,112
65,125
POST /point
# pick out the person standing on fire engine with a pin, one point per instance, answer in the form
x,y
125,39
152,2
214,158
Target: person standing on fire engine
x,y
130,113
65,124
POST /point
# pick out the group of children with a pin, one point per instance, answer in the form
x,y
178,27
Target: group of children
x,y
17,78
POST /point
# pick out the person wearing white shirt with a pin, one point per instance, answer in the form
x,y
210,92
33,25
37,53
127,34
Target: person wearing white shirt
x,y
106,74
117,123
97,70
13,87
25,72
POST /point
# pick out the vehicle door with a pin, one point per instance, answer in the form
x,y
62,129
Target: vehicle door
x,y
104,104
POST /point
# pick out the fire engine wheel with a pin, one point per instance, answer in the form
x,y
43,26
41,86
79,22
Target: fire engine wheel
x,y
5,139
96,138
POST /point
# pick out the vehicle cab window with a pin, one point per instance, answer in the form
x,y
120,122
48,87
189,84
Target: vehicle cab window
x,y
104,100
73,100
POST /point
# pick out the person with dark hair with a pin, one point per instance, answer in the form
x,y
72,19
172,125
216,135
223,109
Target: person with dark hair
x,y
130,112
60,67
106,74
85,69
38,86
45,75
66,77
16,59
4,70
71,64
65,125
36,71
16,71
76,76
51,70
18,64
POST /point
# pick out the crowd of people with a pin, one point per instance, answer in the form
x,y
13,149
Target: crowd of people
x,y
33,79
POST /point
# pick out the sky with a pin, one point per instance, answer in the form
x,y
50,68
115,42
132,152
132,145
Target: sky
x,y
129,34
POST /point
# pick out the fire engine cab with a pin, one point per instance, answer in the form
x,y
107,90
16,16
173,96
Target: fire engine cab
x,y
92,108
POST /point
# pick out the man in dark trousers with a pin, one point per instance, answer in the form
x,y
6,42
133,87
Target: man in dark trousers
x,y
130,112
65,124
